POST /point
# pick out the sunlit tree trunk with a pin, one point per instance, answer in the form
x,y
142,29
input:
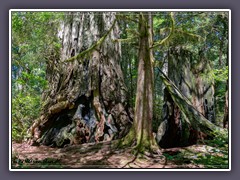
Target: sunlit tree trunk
x,y
141,132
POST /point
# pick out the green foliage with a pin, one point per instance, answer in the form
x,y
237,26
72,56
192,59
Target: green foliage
x,y
212,155
221,75
25,109
210,161
218,158
221,140
129,59
170,35
34,41
221,78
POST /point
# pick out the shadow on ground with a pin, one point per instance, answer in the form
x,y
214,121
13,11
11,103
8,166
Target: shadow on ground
x,y
105,155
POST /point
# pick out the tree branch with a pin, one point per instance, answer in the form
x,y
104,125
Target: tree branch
x,y
170,34
94,46
124,17
127,40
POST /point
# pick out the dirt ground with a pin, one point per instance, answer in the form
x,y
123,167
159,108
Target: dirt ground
x,y
101,155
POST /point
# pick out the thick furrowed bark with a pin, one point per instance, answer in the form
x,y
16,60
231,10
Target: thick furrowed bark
x,y
86,100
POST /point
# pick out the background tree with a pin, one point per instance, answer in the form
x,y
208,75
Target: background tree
x,y
191,71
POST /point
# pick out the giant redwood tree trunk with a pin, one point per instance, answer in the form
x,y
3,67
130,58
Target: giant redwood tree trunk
x,y
86,100
191,74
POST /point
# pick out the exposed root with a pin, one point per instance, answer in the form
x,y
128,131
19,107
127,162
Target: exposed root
x,y
129,162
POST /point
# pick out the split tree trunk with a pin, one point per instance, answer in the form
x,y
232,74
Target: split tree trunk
x,y
86,100
190,73
191,115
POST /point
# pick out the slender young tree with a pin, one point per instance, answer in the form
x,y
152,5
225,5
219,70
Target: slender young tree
x,y
141,133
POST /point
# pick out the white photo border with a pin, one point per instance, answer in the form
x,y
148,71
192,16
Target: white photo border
x,y
117,10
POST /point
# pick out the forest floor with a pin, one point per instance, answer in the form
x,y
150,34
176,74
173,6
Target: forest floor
x,y
103,155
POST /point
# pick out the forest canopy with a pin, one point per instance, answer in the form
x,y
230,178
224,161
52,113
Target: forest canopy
x,y
148,80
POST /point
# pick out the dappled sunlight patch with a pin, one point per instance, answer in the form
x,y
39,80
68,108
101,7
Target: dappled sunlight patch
x,y
106,155
203,156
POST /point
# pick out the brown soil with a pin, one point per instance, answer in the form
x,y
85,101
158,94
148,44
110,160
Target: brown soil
x,y
101,155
